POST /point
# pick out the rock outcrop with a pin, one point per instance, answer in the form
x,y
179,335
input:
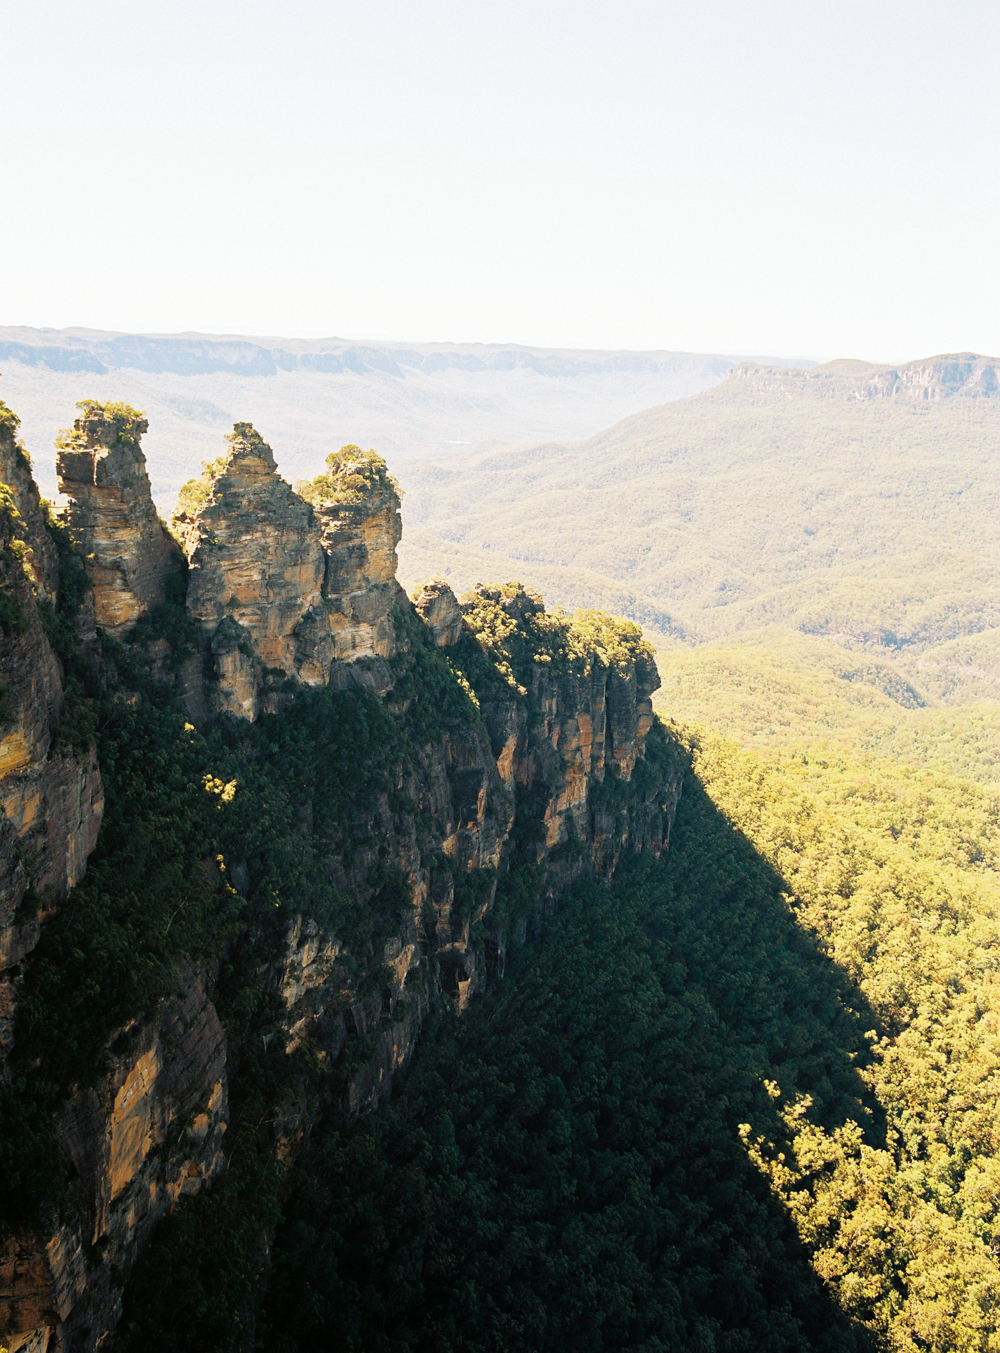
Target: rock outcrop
x,y
438,608
290,588
51,795
150,1132
535,771
129,556
567,740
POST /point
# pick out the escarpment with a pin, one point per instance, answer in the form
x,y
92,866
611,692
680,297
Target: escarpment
x,y
330,809
50,784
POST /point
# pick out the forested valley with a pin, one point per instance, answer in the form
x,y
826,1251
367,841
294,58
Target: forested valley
x,y
742,1098
541,1022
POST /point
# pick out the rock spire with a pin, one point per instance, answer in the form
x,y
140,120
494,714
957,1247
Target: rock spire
x,y
112,521
290,586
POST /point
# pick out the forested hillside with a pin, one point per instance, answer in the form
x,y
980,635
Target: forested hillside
x,y
745,1098
409,399
725,1081
774,688
823,501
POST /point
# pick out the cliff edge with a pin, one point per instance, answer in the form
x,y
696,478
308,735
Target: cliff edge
x,y
329,810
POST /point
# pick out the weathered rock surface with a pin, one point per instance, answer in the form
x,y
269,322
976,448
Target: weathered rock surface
x,y
39,558
291,590
438,608
575,731
151,1131
288,589
128,555
51,798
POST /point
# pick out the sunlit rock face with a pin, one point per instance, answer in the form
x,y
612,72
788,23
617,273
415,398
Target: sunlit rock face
x,y
290,586
535,765
574,727
111,518
438,608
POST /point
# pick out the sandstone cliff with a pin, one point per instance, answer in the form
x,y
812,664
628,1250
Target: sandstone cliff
x,y
284,587
965,375
112,520
149,1133
50,790
404,790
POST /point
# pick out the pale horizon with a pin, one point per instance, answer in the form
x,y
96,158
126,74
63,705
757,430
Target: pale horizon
x,y
779,180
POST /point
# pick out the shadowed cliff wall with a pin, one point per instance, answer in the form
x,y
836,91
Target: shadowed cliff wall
x,y
328,810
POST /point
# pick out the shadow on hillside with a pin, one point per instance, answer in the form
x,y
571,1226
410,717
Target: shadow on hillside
x,y
776,1007
561,1170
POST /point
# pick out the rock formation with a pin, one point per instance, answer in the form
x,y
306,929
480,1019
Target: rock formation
x,y
51,794
439,610
579,726
286,588
112,520
150,1132
536,764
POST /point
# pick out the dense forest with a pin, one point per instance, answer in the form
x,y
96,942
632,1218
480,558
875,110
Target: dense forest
x,y
742,1098
738,1096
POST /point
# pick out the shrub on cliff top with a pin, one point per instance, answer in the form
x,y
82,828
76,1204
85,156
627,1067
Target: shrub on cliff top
x,y
9,421
516,632
352,476
102,424
9,424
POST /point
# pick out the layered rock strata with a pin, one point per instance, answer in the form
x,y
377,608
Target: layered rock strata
x,y
112,520
964,375
51,796
570,737
289,590
149,1133
537,771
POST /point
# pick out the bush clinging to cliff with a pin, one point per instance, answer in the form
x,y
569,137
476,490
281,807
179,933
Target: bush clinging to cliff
x,y
515,632
103,423
352,475
196,491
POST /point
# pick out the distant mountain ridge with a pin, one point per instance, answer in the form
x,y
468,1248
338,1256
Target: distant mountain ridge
x,y
854,502
190,354
409,400
955,373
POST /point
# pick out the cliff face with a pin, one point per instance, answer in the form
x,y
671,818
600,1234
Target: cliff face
x,y
963,374
285,590
50,792
449,769
112,520
149,1133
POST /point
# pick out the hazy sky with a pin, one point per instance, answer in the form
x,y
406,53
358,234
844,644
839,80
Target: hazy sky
x,y
802,178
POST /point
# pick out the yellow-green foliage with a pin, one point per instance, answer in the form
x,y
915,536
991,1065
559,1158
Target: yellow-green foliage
x,y
103,423
776,688
874,520
197,491
895,873
352,476
9,424
516,632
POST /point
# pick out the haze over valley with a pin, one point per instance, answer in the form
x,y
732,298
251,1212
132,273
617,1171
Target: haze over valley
x,y
408,400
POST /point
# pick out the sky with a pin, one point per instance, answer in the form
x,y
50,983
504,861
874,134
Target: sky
x,y
802,179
